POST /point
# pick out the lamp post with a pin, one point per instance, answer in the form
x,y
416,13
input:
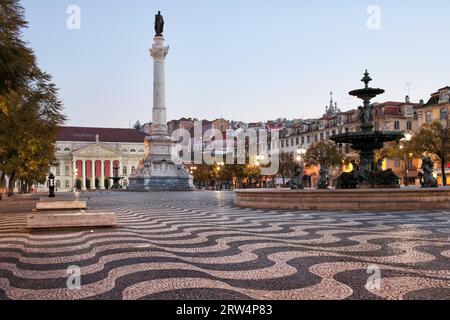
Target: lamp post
x,y
405,140
51,185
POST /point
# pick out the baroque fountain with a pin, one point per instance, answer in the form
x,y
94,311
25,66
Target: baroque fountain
x,y
369,173
367,187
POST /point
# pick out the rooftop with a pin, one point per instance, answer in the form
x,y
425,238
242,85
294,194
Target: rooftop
x,y
105,134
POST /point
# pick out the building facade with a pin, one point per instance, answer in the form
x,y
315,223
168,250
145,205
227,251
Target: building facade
x,y
389,116
87,157
436,109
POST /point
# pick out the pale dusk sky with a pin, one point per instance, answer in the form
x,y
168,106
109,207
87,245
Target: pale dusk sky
x,y
251,60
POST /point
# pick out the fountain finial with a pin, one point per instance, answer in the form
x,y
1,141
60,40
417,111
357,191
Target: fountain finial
x,y
366,78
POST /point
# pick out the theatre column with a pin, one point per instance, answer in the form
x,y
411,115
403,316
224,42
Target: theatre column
x,y
102,175
111,173
83,169
93,175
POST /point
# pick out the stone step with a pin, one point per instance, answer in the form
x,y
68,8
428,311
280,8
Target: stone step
x,y
61,205
71,220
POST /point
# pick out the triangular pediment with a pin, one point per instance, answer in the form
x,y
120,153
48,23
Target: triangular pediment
x,y
96,149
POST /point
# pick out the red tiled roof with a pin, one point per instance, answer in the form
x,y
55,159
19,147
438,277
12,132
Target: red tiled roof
x,y
392,111
105,134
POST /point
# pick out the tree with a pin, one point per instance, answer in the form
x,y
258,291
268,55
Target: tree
x,y
324,153
287,164
30,111
434,139
17,61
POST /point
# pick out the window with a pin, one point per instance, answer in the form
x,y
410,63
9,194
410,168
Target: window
x,y
67,171
133,169
428,117
58,184
141,150
67,184
409,125
297,141
347,130
282,143
321,136
67,149
444,114
303,140
396,125
132,150
58,149
292,141
124,150
287,143
124,171
409,111
308,139
58,170
443,97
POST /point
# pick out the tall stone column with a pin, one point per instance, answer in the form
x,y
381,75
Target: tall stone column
x,y
93,175
83,182
159,53
102,175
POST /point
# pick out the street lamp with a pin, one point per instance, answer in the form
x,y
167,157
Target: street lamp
x,y
406,139
51,185
300,154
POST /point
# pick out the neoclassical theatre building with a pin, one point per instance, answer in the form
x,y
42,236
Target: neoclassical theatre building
x,y
86,157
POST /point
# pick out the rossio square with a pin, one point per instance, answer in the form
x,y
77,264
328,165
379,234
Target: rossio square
x,y
346,203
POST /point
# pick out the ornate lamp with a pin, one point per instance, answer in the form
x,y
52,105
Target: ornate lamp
x,y
51,185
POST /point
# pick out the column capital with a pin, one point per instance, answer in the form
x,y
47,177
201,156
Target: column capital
x,y
159,52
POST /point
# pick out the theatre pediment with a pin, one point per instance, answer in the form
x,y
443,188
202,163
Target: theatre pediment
x,y
96,150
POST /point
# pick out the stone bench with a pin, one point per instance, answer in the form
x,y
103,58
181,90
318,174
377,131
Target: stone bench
x,y
71,220
61,205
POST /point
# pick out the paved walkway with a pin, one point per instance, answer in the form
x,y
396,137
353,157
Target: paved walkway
x,y
198,246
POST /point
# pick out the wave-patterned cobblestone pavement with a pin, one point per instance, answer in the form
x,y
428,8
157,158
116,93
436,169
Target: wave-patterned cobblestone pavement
x,y
199,246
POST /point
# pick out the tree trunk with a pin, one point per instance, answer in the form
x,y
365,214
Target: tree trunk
x,y
11,184
444,177
2,180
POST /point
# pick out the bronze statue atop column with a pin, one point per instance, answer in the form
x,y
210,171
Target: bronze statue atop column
x,y
159,24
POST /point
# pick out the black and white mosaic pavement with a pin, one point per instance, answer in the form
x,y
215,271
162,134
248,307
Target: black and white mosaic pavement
x,y
199,246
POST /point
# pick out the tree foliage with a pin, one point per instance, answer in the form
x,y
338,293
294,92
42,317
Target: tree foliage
x,y
287,164
324,153
433,139
30,111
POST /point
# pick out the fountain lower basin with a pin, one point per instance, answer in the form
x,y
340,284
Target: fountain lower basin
x,y
379,200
